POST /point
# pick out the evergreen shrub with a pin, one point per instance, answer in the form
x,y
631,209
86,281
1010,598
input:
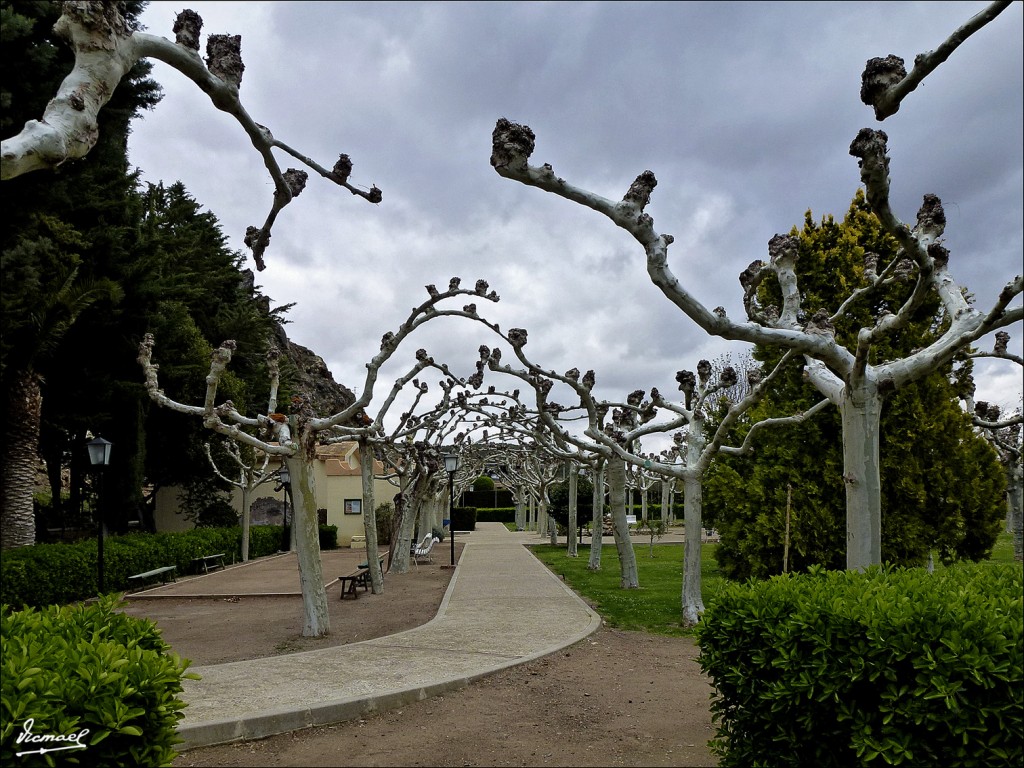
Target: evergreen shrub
x,y
495,514
464,519
48,574
880,667
88,667
328,536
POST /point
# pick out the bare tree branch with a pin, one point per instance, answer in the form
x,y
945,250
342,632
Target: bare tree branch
x,y
105,51
885,82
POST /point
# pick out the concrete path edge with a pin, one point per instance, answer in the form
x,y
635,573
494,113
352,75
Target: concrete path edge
x,y
271,723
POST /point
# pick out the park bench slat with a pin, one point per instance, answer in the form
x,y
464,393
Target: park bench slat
x,y
164,573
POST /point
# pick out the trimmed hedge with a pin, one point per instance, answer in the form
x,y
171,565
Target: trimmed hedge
x,y
88,667
495,514
464,519
881,667
490,499
48,574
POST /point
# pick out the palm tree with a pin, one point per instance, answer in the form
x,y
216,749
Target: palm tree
x,y
28,348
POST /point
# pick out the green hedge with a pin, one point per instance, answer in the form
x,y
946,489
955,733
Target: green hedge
x,y
882,667
495,514
88,667
464,519
48,574
490,499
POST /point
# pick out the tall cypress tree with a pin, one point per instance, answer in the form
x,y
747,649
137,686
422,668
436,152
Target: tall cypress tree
x,y
91,262
56,226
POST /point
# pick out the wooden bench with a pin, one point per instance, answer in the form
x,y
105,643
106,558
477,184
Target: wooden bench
x,y
140,579
206,563
360,577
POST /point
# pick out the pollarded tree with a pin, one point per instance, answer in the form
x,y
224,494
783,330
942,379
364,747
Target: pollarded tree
x,y
1005,436
847,375
293,438
618,441
415,462
925,441
252,470
106,49
1003,432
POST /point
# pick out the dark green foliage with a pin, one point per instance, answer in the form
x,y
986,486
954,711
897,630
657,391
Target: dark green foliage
x,y
558,502
500,497
47,574
483,484
328,537
881,667
942,488
496,515
57,226
89,667
206,506
91,261
464,519
385,516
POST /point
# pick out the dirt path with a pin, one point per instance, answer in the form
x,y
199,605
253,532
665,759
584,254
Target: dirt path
x,y
616,698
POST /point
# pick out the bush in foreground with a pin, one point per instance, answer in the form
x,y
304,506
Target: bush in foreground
x,y
68,670
882,667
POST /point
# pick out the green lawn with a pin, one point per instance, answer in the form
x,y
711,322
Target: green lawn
x,y
656,606
1002,552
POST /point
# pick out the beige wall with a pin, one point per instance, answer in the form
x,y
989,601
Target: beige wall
x,y
334,489
337,478
166,516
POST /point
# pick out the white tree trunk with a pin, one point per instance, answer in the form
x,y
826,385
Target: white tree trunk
x,y
693,496
246,517
551,523
370,516
597,521
402,547
665,500
861,411
573,531
692,600
1014,504
305,525
643,503
629,578
520,502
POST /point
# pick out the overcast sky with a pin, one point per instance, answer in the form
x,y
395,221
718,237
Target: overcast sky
x,y
744,111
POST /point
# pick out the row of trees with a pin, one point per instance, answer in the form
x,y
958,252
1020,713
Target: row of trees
x,y
890,336
859,367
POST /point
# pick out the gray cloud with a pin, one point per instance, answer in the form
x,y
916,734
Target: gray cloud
x,y
745,111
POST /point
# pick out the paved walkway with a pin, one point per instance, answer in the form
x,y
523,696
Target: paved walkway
x,y
503,607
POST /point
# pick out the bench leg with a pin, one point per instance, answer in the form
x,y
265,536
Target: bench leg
x,y
348,587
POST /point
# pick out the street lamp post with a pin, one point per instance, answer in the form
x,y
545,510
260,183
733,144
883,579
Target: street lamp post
x,y
451,466
284,481
99,457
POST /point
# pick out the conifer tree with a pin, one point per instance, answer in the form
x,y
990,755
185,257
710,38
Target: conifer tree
x,y
941,486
